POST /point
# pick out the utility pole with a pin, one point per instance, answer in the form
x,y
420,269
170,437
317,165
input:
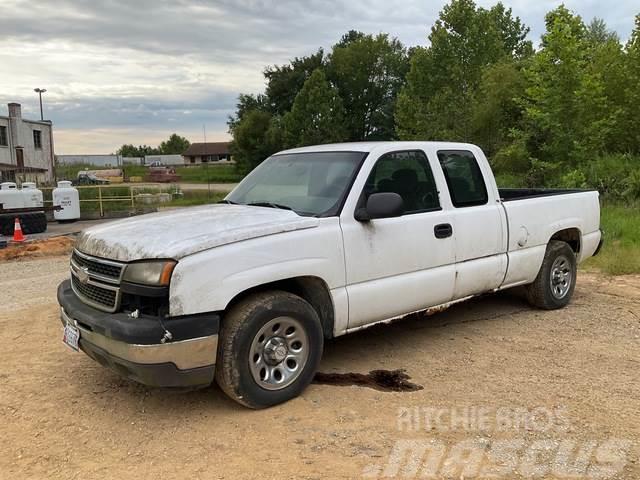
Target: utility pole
x,y
206,167
40,91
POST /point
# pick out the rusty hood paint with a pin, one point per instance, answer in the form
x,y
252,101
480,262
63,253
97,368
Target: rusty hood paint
x,y
178,233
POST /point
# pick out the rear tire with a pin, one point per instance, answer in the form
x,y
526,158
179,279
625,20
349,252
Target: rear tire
x,y
33,222
556,280
269,349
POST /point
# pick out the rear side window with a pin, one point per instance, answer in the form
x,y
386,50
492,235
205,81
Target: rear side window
x,y
464,178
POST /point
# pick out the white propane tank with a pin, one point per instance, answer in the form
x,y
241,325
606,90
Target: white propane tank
x,y
32,197
69,199
10,196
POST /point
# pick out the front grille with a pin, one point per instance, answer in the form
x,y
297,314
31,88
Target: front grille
x,y
96,281
98,267
94,293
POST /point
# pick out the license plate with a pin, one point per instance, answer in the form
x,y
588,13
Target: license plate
x,y
71,336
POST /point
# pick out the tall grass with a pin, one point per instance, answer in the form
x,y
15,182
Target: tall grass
x,y
209,173
620,253
188,174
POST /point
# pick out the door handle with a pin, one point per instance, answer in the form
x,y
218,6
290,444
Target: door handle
x,y
443,230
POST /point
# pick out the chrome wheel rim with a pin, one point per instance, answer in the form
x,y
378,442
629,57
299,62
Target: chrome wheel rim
x,y
561,277
278,353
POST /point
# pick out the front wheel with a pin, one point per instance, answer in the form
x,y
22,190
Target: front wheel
x,y
556,280
269,349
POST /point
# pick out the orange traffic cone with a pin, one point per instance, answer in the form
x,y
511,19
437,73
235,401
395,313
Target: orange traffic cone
x,y
17,231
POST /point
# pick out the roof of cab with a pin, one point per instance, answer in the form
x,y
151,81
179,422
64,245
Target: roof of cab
x,y
369,146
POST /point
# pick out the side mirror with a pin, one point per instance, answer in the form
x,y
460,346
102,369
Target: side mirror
x,y
381,205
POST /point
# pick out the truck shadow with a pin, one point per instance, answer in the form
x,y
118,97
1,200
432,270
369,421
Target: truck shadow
x,y
377,357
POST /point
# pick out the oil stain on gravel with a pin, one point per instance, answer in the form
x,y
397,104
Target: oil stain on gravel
x,y
383,380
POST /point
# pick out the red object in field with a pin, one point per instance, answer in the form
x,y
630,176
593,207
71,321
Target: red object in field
x,y
161,174
17,231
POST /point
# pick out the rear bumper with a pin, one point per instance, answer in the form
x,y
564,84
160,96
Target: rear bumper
x,y
136,352
600,243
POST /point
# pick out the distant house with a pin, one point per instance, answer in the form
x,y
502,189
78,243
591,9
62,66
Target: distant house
x,y
26,148
210,152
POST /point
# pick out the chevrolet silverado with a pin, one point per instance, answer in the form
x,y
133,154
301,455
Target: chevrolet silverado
x,y
314,243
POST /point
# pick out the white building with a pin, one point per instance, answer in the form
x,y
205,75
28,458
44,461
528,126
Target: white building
x,y
106,161
99,160
26,148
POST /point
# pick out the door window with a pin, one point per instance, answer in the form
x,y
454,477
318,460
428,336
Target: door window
x,y
409,175
464,178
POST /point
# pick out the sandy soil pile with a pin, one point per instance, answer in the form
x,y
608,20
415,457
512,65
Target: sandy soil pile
x,y
40,248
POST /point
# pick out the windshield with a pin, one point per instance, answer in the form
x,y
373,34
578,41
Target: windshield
x,y
308,183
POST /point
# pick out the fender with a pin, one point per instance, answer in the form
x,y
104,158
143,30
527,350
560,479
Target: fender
x,y
209,280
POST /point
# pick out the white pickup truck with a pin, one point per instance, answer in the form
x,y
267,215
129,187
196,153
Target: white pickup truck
x,y
315,243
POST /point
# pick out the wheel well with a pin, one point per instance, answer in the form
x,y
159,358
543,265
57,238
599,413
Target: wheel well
x,y
313,289
569,235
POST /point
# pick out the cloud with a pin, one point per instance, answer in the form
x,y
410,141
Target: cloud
x,y
131,71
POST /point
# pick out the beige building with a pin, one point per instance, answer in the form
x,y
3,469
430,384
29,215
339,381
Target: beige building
x,y
26,148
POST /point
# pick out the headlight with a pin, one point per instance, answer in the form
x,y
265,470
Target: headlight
x,y
156,273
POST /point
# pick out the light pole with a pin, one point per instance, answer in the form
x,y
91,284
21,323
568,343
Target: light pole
x,y
40,91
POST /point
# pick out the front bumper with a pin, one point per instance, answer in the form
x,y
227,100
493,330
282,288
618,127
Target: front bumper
x,y
132,346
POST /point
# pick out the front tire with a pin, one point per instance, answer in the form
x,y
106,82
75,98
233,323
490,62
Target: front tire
x,y
269,349
556,280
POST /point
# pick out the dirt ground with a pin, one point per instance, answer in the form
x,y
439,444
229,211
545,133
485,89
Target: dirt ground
x,y
63,416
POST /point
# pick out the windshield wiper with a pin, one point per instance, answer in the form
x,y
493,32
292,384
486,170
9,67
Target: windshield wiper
x,y
228,202
270,205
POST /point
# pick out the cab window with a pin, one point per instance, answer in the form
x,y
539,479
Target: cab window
x,y
464,178
408,174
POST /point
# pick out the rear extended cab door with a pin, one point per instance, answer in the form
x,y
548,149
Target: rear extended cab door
x,y
478,219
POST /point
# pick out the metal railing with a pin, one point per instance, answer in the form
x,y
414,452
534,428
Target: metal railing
x,y
103,198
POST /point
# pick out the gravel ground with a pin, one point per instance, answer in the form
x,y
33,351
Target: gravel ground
x,y
63,416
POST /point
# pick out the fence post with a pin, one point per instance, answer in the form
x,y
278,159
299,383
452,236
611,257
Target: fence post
x,y
100,201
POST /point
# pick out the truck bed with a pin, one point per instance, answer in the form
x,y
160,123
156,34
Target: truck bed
x,y
508,194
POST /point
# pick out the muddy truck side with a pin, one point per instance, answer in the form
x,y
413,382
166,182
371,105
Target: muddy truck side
x,y
315,243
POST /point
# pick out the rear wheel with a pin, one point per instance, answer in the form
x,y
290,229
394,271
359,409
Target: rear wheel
x,y
270,347
556,280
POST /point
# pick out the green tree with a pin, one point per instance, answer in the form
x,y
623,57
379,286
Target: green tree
x,y
630,122
597,33
175,145
566,108
247,103
444,77
496,109
317,115
255,137
129,150
368,72
606,61
285,81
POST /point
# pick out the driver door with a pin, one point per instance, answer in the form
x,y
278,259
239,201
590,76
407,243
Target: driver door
x,y
399,265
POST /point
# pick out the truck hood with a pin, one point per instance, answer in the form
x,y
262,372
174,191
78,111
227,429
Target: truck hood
x,y
178,233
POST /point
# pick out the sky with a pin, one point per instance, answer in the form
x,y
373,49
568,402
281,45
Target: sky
x,y
135,71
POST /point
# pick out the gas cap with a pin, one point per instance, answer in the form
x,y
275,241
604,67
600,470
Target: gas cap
x,y
523,236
